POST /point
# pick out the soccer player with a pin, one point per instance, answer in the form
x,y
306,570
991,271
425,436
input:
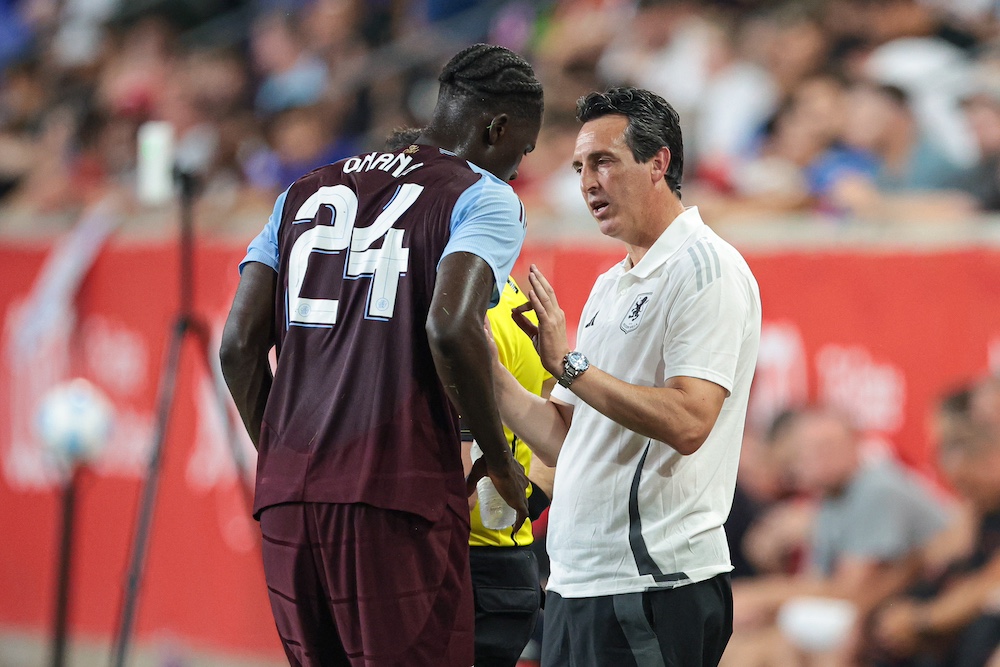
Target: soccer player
x,y
372,279
648,419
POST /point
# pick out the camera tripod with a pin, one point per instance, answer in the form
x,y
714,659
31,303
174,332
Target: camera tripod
x,y
186,323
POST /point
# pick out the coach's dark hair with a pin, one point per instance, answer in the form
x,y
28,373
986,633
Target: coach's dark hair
x,y
488,76
652,124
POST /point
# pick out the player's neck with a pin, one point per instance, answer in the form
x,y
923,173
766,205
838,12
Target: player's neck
x,y
461,138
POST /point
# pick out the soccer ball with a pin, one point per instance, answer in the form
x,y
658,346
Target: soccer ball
x,y
74,421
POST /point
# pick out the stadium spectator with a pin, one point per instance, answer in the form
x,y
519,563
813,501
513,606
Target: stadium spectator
x,y
767,527
982,110
879,121
914,179
800,158
301,139
873,521
370,66
133,80
796,45
693,59
953,619
292,77
819,108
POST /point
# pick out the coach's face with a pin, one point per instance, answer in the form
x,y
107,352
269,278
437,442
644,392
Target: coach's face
x,y
616,188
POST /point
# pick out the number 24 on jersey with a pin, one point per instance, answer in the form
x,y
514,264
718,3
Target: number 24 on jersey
x,y
384,265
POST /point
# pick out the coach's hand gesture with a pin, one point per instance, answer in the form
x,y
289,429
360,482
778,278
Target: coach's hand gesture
x,y
549,336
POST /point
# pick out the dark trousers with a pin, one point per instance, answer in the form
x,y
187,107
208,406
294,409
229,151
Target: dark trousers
x,y
353,585
507,596
688,626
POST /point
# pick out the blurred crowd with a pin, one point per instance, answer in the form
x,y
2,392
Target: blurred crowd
x,y
847,109
845,557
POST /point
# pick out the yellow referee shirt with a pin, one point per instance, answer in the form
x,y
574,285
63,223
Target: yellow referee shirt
x,y
517,355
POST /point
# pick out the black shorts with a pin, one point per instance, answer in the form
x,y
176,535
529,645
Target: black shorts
x,y
687,626
355,585
507,594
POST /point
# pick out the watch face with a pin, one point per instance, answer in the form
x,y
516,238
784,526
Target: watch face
x,y
577,361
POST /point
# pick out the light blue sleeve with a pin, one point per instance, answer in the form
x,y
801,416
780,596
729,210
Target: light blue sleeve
x,y
264,248
488,221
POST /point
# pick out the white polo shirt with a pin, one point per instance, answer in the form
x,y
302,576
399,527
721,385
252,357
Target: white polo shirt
x,y
629,513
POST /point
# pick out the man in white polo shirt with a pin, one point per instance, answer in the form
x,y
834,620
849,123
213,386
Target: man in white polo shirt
x,y
648,420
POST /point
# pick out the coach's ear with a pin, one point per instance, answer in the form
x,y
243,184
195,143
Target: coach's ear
x,y
496,128
659,164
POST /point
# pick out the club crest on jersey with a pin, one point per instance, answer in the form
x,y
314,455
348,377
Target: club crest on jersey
x,y
633,316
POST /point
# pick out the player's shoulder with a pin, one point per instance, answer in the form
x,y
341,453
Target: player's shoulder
x,y
322,174
493,190
490,200
447,169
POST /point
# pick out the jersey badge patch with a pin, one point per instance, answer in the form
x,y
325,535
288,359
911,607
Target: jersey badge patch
x,y
633,316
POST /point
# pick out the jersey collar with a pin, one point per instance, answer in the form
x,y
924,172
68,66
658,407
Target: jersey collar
x,y
669,242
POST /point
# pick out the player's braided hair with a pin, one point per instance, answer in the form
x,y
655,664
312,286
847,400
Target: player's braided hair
x,y
488,74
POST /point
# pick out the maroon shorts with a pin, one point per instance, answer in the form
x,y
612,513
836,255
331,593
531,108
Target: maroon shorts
x,y
362,586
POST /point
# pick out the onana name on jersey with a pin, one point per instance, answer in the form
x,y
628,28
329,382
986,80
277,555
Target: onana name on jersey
x,y
383,161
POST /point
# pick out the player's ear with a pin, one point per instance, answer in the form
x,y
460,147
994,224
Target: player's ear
x,y
496,128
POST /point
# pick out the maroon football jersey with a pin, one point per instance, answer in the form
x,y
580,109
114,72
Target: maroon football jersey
x,y
357,413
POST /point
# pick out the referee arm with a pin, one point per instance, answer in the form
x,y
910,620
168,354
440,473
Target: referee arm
x,y
246,342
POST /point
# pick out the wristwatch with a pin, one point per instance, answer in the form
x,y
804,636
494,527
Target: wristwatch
x,y
574,364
